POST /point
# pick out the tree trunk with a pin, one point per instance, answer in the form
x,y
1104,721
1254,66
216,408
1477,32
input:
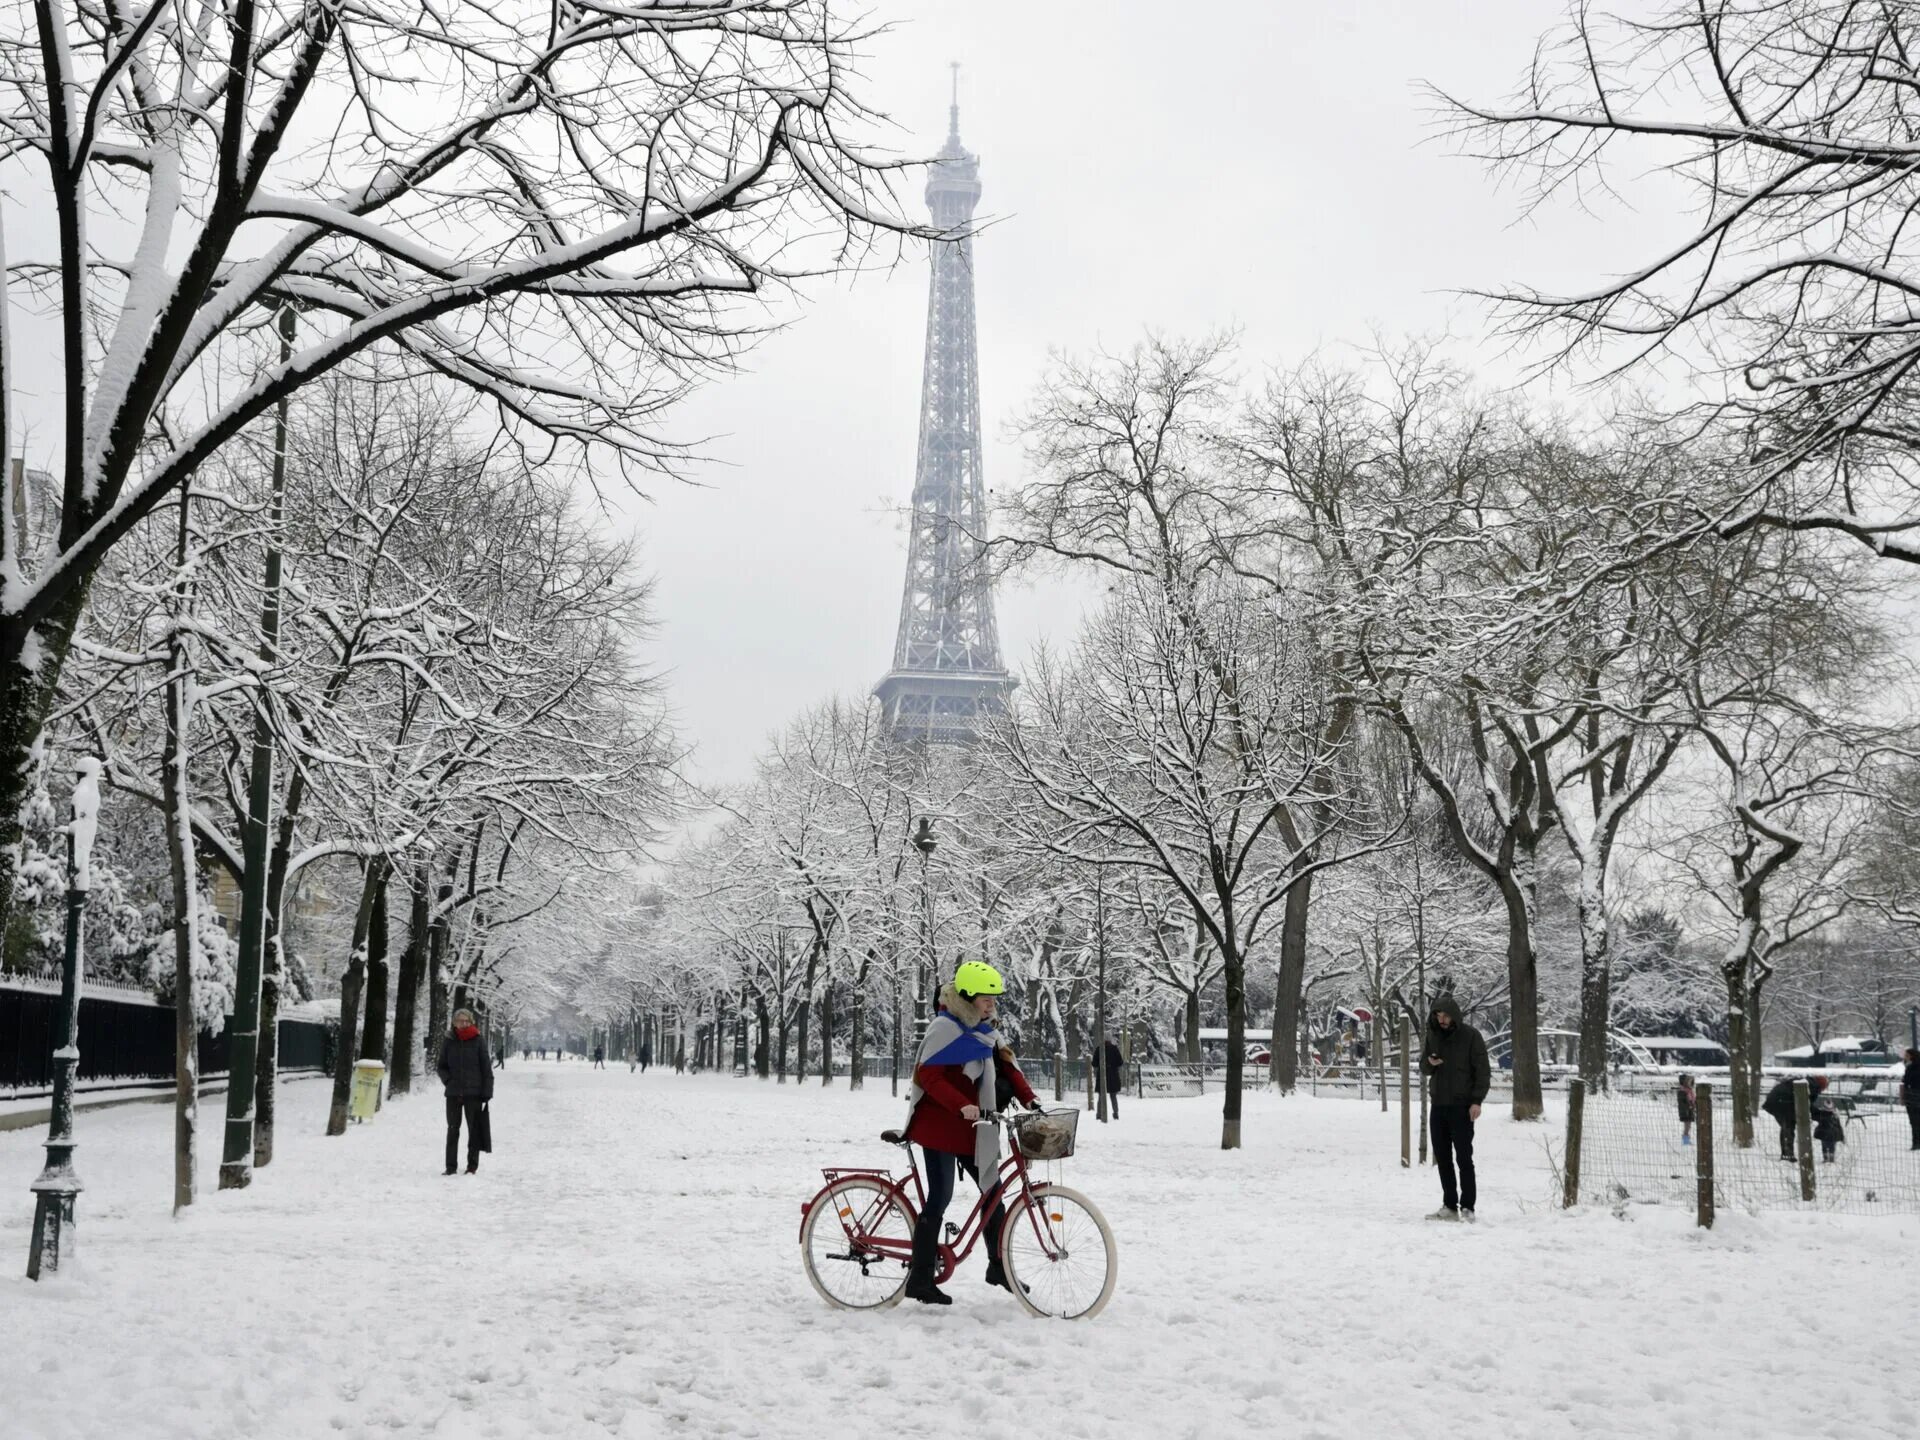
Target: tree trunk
x,y
273,974
373,1042
1739,1081
406,1038
350,986
780,1056
1523,988
826,1035
762,1056
1076,995
1596,988
186,940
1284,1062
857,1060
1236,1044
236,1164
1190,1042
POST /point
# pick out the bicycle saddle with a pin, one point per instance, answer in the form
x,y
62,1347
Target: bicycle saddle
x,y
894,1137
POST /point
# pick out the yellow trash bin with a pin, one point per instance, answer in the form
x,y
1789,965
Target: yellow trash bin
x,y
368,1076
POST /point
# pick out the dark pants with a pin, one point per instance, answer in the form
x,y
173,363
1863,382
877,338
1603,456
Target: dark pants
x,y
1451,1129
926,1231
1913,1124
1113,1097
1787,1125
470,1105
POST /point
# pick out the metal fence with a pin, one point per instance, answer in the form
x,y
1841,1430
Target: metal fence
x,y
126,1037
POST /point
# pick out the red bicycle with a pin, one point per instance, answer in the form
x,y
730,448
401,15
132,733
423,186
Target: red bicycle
x,y
856,1234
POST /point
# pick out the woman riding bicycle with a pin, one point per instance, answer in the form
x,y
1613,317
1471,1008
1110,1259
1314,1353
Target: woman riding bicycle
x,y
960,1071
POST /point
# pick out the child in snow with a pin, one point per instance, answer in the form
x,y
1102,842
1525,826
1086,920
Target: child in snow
x,y
1828,1129
1686,1110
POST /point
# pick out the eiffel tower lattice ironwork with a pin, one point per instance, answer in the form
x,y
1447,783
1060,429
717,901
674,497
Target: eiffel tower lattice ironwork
x,y
947,672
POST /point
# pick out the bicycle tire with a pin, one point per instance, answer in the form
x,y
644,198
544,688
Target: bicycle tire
x,y
1042,1299
836,1204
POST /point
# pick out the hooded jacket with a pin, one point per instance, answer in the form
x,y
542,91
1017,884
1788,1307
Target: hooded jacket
x,y
1779,1101
1462,1077
465,1068
961,1062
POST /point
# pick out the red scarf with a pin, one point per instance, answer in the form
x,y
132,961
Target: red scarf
x,y
466,1032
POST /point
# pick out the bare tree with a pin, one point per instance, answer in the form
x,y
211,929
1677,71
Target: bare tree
x,y
575,263
1789,124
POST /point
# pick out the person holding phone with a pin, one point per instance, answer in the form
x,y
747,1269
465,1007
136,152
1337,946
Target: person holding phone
x,y
1457,1080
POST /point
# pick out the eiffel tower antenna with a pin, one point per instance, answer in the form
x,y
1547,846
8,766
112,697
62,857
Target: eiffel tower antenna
x,y
947,672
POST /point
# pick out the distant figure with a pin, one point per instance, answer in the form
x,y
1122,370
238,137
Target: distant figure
x,y
1458,1078
1687,1110
543,1052
1910,1094
646,1055
526,1052
1110,1062
599,1057
468,1077
1779,1104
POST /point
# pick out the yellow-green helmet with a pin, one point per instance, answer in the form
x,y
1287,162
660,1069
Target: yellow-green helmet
x,y
976,977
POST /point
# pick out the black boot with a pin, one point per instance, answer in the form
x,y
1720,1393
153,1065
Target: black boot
x,y
997,1275
921,1287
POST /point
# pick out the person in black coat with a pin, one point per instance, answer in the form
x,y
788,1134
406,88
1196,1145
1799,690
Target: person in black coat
x,y
1689,1109
1910,1092
1779,1104
1458,1078
1111,1063
466,1070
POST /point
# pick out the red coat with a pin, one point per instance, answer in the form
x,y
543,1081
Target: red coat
x,y
937,1122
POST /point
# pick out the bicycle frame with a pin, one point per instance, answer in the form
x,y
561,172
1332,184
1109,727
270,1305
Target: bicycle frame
x,y
1012,1184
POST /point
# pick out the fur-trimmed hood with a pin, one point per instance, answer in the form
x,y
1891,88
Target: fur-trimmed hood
x,y
958,1006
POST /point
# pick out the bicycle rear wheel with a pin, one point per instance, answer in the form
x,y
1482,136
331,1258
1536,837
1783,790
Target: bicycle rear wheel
x,y
838,1244
1059,1254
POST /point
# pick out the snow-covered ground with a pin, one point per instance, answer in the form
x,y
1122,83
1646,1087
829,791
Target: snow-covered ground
x,y
626,1264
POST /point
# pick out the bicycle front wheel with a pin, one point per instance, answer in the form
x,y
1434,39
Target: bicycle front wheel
x,y
1059,1254
856,1241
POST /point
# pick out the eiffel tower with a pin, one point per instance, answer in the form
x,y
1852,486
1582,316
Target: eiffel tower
x,y
947,672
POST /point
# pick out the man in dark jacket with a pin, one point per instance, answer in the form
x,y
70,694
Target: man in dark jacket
x,y
1111,1063
1910,1093
1457,1081
466,1070
1779,1104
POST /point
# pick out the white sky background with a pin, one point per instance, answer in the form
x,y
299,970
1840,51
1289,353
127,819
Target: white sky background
x,y
1272,168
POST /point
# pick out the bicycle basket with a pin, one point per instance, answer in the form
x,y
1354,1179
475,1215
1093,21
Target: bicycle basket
x,y
1046,1135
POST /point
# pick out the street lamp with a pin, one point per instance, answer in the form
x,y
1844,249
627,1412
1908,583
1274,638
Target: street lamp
x,y
924,842
57,1188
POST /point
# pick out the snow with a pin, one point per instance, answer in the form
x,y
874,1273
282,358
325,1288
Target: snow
x,y
626,1264
86,819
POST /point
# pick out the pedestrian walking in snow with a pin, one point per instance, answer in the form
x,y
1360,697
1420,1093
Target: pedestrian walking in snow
x,y
959,1072
1457,1080
1688,1110
599,1057
646,1056
1910,1094
466,1072
1779,1104
1110,1062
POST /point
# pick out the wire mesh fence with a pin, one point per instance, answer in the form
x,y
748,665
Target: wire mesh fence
x,y
1633,1150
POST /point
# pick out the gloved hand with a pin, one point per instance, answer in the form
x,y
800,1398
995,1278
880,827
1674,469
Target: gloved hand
x,y
1034,1104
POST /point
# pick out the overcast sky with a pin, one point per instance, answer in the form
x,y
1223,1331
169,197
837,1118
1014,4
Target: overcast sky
x,y
1269,167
